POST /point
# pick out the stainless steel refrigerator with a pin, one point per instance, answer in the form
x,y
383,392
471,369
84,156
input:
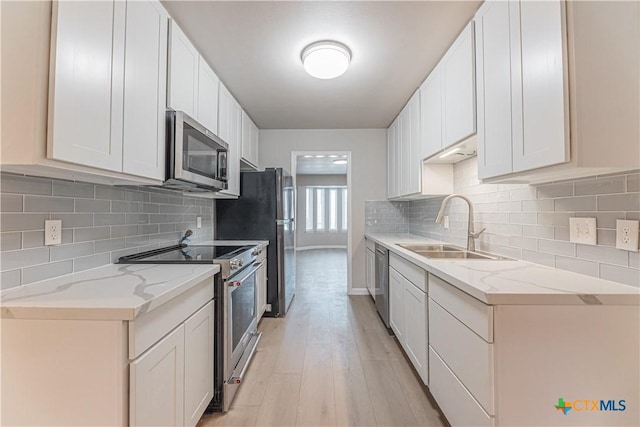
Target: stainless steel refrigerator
x,y
265,211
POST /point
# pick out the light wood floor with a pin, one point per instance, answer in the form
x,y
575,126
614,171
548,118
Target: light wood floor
x,y
329,362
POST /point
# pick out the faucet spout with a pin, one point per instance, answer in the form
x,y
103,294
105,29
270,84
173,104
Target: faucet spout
x,y
471,234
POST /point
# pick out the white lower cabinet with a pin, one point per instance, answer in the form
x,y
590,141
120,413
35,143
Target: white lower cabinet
x,y
408,311
370,264
508,364
198,363
261,294
157,383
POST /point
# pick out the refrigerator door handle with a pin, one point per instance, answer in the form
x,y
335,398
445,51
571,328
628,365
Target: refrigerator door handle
x,y
283,221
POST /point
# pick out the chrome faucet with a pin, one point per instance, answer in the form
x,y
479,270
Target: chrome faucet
x,y
471,235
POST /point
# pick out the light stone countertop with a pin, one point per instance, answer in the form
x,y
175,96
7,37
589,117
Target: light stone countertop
x,y
113,292
513,282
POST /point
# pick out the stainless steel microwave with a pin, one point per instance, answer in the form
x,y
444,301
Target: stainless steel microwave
x,y
196,157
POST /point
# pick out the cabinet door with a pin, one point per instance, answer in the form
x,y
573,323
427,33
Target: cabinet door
x,y
184,62
85,107
404,151
145,89
261,295
224,105
391,162
543,81
431,113
230,130
198,364
415,311
396,310
370,271
248,139
207,97
156,383
414,166
459,89
493,71
255,145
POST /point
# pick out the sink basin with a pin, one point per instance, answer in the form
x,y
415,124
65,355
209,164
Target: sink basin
x,y
459,255
449,252
430,248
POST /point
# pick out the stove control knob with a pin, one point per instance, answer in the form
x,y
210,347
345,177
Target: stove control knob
x,y
255,252
235,263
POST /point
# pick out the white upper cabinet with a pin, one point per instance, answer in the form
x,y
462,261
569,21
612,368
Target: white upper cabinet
x,y
493,67
393,179
108,86
208,84
87,81
145,82
539,119
230,130
184,65
459,89
249,142
431,113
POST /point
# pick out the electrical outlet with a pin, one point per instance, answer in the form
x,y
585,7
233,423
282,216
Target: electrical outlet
x,y
199,222
446,221
583,230
627,235
52,232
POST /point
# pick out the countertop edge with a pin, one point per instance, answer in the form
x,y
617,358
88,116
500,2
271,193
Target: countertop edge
x,y
496,298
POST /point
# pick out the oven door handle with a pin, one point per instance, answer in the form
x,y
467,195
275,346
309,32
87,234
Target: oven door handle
x,y
252,271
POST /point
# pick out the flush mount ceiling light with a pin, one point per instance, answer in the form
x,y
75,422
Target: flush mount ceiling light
x,y
326,59
339,162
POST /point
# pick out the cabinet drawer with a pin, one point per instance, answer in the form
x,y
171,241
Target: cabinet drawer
x,y
470,311
454,342
415,274
149,328
460,408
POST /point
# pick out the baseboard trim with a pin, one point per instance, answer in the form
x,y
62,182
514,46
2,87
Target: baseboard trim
x,y
359,291
308,248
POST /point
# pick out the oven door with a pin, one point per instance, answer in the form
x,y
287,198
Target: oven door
x,y
241,332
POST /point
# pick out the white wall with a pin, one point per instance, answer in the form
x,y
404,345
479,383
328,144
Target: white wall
x,y
368,171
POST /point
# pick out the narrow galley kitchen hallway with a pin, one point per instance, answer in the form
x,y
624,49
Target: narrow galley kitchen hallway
x,y
329,362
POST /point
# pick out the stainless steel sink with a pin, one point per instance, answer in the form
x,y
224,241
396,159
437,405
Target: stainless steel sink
x,y
449,252
430,248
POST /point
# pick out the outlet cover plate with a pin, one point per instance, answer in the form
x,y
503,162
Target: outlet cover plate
x,y
583,230
199,222
627,235
52,232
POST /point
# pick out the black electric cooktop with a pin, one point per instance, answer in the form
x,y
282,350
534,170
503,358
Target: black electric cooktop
x,y
185,254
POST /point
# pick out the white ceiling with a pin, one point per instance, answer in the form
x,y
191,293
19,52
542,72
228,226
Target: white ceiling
x,y
315,165
255,47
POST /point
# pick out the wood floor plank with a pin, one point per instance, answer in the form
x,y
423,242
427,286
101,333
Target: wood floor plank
x,y
237,416
353,403
389,403
281,401
420,401
317,399
255,383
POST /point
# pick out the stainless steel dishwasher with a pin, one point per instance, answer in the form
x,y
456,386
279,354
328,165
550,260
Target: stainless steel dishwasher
x,y
382,285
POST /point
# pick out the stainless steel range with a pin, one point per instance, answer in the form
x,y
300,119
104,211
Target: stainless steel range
x,y
237,335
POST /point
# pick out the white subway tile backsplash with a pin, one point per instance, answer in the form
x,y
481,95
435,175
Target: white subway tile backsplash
x,y
527,222
577,265
73,189
23,221
10,241
11,203
48,204
629,276
100,224
46,271
10,279
605,254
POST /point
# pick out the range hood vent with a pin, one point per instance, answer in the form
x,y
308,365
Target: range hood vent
x,y
455,153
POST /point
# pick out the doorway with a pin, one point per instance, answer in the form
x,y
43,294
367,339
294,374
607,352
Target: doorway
x,y
323,225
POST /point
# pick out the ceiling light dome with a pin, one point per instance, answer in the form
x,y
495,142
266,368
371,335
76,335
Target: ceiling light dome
x,y
326,59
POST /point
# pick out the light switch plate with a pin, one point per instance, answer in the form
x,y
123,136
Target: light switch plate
x,y
446,221
627,235
583,230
